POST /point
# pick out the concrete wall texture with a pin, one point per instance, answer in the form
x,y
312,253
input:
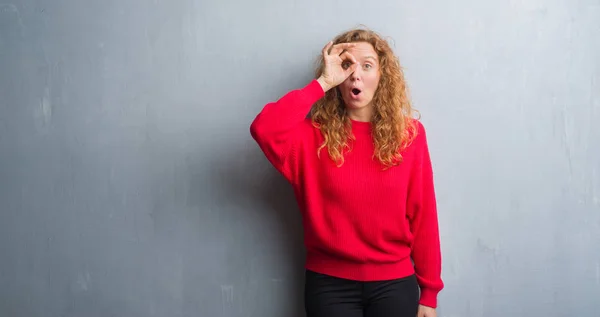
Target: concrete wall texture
x,y
130,186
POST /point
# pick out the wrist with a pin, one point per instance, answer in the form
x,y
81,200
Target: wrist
x,y
323,84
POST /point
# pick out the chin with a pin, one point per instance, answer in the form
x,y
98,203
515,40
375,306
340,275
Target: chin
x,y
356,104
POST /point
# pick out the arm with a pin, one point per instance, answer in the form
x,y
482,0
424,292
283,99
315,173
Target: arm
x,y
276,127
422,211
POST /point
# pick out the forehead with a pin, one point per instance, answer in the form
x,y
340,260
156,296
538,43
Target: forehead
x,y
363,50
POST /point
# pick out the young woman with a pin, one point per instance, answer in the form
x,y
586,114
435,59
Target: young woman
x,y
361,172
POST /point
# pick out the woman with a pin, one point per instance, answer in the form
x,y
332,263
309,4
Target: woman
x,y
361,173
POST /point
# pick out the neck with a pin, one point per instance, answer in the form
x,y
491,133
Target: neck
x,y
363,114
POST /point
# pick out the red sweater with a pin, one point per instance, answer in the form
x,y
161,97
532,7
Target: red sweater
x,y
360,222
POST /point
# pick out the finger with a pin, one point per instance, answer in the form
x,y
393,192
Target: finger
x,y
339,48
346,56
327,47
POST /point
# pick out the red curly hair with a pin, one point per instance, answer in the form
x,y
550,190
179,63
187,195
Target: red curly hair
x,y
394,127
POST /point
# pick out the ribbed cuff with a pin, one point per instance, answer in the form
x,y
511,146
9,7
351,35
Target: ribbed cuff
x,y
428,297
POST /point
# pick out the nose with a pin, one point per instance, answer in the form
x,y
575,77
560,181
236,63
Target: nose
x,y
357,73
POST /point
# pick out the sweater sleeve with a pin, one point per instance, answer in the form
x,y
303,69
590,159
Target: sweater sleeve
x,y
423,217
276,129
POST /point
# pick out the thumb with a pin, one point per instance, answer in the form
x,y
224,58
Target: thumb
x,y
421,312
352,68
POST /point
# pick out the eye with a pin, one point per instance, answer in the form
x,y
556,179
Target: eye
x,y
345,65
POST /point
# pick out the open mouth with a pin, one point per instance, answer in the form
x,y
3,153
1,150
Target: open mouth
x,y
356,91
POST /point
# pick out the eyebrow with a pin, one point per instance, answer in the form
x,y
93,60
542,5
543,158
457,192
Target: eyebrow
x,y
371,57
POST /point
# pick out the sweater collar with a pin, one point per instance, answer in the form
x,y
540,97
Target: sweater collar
x,y
361,126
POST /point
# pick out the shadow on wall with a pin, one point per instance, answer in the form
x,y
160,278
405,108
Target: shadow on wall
x,y
267,212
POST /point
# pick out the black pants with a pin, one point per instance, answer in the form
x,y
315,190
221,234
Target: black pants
x,y
327,296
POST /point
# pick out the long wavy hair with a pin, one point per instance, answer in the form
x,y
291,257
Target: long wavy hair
x,y
393,125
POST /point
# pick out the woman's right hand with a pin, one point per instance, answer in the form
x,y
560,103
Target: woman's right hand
x,y
338,65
